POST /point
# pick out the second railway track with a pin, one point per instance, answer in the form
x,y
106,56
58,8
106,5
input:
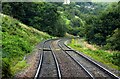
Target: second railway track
x,y
69,68
94,68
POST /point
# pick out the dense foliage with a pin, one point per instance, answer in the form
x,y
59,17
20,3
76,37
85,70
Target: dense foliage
x,y
42,16
18,40
97,22
103,29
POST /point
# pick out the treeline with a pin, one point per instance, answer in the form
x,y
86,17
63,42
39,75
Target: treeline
x,y
98,23
53,18
42,16
104,29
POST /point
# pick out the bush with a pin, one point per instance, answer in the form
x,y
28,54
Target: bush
x,y
113,42
6,71
116,58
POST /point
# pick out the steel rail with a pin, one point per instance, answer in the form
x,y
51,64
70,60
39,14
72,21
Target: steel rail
x,y
41,61
93,62
91,76
39,67
56,63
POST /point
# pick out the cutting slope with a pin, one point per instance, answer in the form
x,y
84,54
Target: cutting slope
x,y
18,40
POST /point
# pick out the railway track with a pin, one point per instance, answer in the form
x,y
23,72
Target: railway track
x,y
48,65
69,68
59,61
94,68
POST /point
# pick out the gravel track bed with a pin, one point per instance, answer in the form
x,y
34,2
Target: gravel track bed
x,y
67,66
48,66
117,72
63,46
96,72
46,45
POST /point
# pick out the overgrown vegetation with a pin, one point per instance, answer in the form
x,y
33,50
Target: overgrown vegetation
x,y
97,22
103,29
111,58
18,40
42,16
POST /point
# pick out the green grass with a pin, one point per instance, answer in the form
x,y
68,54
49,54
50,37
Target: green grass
x,y
110,59
18,40
19,66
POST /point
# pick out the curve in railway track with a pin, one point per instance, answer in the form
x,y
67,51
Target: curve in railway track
x,y
94,68
68,67
59,61
48,65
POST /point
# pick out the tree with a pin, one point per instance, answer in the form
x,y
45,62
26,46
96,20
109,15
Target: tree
x,y
42,16
113,42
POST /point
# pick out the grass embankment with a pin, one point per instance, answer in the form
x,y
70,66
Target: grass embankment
x,y
18,40
111,58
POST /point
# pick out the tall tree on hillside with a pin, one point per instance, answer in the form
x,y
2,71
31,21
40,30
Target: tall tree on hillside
x,y
43,16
